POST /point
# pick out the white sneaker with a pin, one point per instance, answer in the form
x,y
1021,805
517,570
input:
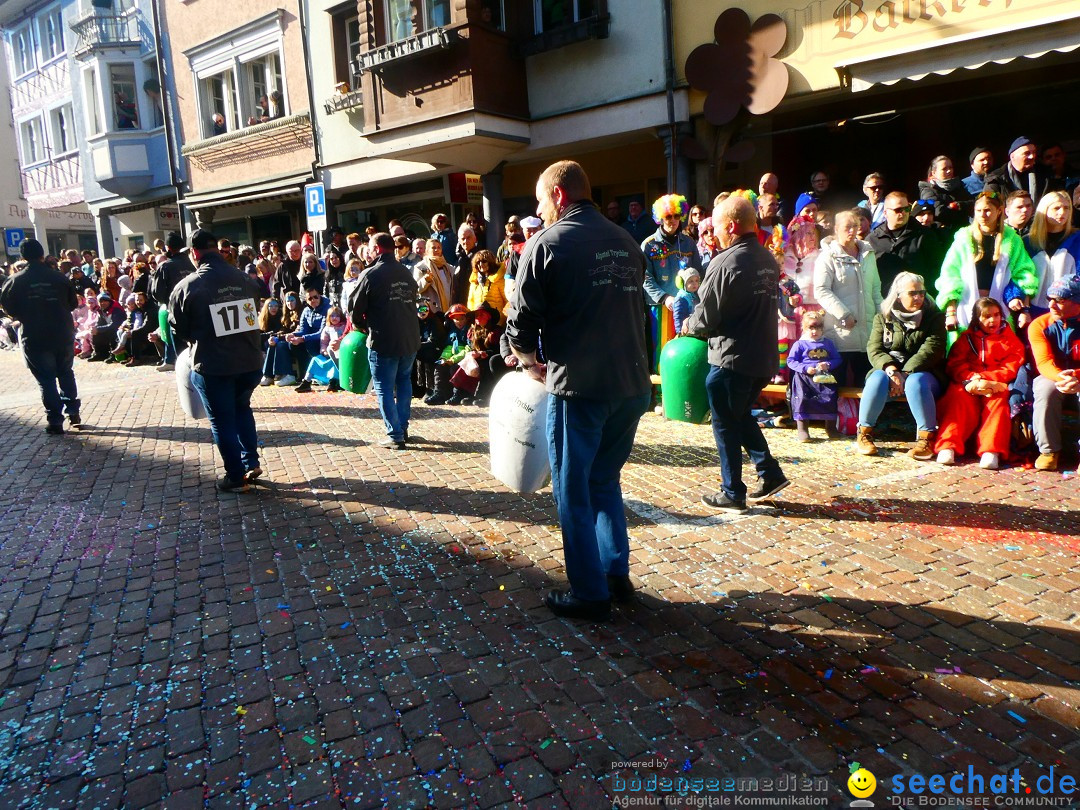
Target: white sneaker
x,y
990,461
266,381
286,381
946,457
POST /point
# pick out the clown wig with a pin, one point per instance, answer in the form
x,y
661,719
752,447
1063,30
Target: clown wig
x,y
670,204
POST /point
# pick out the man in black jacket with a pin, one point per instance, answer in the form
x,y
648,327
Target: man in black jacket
x,y
737,314
173,269
384,301
1023,173
287,276
42,299
901,243
580,282
213,310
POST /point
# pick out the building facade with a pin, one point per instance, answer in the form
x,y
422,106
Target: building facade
x,y
238,77
457,105
877,85
46,129
118,101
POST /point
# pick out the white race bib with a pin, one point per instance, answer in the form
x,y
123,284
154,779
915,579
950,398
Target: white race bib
x,y
234,317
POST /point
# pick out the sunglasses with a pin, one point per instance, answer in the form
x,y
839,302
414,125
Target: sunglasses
x,y
873,188
896,210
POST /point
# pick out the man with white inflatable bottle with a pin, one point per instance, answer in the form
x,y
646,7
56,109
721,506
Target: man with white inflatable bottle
x,y
580,285
213,312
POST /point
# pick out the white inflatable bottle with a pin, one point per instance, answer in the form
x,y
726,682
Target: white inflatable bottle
x,y
190,401
517,433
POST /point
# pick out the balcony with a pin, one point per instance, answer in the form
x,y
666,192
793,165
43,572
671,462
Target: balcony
x,y
100,32
259,141
53,184
122,161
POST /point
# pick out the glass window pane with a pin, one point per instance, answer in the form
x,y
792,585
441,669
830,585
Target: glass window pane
x,y
125,103
491,13
93,102
438,13
403,18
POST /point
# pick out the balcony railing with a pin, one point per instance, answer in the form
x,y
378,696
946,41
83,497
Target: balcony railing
x,y
276,137
351,102
424,42
97,32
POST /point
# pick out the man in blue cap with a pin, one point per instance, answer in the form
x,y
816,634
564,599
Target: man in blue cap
x,y
42,299
1023,173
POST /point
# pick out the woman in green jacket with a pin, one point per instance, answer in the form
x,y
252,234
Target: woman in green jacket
x,y
907,352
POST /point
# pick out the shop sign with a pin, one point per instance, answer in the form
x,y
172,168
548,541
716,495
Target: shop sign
x,y
465,188
168,219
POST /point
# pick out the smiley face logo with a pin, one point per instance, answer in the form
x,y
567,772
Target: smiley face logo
x,y
861,783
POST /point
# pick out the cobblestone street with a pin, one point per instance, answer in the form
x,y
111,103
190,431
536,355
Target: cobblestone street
x,y
366,629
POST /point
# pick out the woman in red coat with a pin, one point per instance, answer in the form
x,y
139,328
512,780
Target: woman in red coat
x,y
983,361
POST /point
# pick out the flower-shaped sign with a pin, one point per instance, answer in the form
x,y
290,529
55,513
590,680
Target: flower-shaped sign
x,y
738,69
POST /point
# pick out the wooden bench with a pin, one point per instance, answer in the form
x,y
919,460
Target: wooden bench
x,y
846,392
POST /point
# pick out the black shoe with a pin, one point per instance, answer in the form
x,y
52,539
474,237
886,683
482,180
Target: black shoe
x,y
467,400
252,474
226,484
55,430
435,399
333,386
480,403
565,604
75,421
304,387
767,489
110,359
723,502
95,359
388,443
620,587
456,399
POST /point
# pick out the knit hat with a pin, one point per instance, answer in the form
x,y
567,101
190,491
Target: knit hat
x,y
688,273
1066,289
804,200
1019,142
978,150
104,296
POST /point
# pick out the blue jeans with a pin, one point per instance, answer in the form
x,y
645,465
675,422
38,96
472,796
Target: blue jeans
x,y
278,361
227,399
731,396
589,440
170,347
392,380
921,389
49,367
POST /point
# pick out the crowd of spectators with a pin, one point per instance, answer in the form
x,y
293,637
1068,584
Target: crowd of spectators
x,y
961,299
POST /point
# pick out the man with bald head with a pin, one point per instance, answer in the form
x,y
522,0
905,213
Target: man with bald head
x,y
737,314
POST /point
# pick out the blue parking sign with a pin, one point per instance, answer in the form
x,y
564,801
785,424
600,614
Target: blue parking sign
x,y
315,202
13,237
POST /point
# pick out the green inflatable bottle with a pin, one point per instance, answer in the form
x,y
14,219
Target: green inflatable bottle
x,y
684,363
352,357
163,324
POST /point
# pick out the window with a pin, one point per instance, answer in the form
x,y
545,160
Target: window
x,y
51,35
22,50
63,130
262,78
32,136
240,77
491,13
218,95
152,90
93,102
125,103
552,14
406,18
352,43
345,28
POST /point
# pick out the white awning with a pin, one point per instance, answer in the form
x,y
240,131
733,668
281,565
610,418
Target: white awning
x,y
968,51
